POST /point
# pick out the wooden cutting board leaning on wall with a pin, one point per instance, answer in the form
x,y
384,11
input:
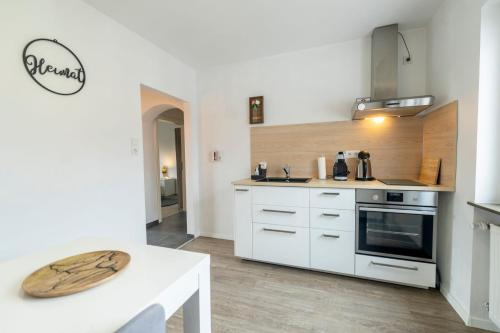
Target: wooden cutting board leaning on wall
x,y
429,170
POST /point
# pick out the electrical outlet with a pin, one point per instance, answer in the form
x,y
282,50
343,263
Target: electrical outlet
x,y
351,153
406,60
486,305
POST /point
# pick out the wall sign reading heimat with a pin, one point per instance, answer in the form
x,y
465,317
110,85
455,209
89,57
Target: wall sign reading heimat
x,y
53,66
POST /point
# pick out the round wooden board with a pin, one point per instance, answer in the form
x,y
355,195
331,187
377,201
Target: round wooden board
x,y
76,273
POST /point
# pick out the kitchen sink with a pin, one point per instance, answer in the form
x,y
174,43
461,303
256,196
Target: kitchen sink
x,y
285,180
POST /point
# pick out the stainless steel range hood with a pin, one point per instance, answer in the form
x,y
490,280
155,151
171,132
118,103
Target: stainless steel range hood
x,y
384,100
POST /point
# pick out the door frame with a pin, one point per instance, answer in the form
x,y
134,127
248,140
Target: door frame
x,y
153,103
181,184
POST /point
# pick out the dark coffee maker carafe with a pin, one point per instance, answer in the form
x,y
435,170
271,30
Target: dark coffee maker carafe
x,y
340,170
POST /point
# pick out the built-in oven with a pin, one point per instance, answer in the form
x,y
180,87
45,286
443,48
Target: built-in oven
x,y
397,224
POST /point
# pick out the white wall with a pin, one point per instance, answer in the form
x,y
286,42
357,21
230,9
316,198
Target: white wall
x,y
488,156
166,145
314,85
453,74
488,136
66,165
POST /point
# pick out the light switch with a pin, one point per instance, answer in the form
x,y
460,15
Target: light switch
x,y
216,156
134,146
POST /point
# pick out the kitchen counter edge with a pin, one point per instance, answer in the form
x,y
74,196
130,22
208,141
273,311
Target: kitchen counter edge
x,y
330,183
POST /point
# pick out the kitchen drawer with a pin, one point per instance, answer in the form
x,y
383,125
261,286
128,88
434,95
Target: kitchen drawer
x,y
396,270
332,251
281,245
281,215
280,196
333,198
333,219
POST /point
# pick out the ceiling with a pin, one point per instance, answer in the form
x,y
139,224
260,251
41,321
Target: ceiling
x,y
213,32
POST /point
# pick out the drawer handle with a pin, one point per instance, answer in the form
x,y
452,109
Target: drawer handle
x,y
279,211
330,236
282,231
331,215
241,190
414,268
330,193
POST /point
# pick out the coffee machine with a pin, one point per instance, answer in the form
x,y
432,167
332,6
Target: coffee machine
x,y
364,170
340,170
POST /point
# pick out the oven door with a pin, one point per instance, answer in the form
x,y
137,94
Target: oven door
x,y
403,232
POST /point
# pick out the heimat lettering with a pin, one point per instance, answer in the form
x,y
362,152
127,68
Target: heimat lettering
x,y
38,66
67,77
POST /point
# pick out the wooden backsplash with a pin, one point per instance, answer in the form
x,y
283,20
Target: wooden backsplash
x,y
440,140
396,145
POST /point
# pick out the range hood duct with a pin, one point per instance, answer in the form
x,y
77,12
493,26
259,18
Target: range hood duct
x,y
384,100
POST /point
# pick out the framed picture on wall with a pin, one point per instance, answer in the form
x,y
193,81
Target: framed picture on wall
x,y
256,105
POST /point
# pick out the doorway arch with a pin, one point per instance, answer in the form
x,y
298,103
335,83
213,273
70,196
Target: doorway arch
x,y
153,104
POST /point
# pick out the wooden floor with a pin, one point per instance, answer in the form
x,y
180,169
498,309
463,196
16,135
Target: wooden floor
x,y
256,297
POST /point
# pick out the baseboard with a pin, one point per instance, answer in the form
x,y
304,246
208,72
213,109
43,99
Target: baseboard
x,y
476,322
152,223
484,324
186,243
455,304
216,235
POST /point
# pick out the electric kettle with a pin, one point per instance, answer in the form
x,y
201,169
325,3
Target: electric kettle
x,y
364,170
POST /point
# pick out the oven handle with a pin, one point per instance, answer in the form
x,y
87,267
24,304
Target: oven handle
x,y
402,211
394,232
374,263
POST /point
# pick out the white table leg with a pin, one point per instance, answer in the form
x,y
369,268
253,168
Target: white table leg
x,y
196,310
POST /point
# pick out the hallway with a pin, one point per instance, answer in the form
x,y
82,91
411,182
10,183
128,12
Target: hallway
x,y
172,232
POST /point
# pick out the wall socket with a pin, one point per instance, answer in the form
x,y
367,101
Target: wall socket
x,y
351,153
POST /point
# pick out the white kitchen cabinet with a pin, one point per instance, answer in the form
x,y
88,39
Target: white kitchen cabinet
x,y
333,198
396,270
332,250
334,219
281,196
313,228
281,215
243,222
281,244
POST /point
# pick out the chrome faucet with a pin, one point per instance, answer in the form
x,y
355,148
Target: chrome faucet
x,y
286,168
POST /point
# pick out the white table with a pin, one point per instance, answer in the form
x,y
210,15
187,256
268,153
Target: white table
x,y
172,278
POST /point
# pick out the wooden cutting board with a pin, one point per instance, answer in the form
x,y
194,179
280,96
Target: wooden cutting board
x,y
429,170
76,273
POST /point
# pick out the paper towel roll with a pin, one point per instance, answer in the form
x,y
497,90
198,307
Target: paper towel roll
x,y
322,167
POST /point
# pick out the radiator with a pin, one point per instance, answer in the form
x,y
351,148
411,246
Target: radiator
x,y
495,274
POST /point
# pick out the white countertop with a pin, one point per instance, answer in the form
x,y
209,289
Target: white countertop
x,y
354,184
154,275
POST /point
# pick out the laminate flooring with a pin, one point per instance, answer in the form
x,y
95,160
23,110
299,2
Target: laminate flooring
x,y
256,297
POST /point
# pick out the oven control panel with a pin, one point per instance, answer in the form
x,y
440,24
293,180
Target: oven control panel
x,y
413,198
395,197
